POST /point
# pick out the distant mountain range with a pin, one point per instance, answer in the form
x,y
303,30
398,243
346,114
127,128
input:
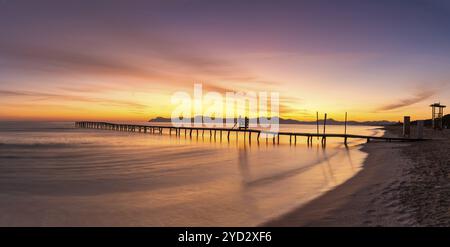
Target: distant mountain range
x,y
330,121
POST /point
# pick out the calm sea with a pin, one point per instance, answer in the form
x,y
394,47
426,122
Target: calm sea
x,y
52,174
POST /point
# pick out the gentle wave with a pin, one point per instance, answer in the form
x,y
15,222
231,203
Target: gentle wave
x,y
164,180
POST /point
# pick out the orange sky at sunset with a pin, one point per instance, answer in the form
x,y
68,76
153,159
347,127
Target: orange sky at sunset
x,y
120,61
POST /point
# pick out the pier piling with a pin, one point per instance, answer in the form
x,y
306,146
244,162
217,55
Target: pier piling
x,y
275,135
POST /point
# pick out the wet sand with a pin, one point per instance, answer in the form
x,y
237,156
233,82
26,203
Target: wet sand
x,y
402,184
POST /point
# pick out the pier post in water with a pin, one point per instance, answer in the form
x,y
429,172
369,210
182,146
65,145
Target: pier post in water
x,y
324,139
317,124
345,124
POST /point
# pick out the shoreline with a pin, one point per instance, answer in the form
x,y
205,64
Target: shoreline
x,y
384,193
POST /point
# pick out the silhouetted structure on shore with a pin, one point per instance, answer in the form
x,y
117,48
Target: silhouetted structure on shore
x,y
437,112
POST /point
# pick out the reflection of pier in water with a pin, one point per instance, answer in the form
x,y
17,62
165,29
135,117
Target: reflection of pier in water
x,y
214,132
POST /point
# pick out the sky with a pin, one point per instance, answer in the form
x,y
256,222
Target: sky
x,y
123,60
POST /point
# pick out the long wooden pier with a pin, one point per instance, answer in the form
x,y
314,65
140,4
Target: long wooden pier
x,y
213,132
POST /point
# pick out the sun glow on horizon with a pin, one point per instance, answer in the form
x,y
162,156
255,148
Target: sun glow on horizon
x,y
125,63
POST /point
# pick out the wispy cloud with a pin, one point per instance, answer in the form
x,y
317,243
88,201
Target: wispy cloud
x,y
40,96
155,60
67,61
418,97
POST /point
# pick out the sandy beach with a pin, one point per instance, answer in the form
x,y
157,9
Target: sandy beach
x,y
401,184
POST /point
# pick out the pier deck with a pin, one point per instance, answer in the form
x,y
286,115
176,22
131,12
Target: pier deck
x,y
275,136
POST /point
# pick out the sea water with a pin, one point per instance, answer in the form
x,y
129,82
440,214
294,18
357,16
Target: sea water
x,y
53,174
